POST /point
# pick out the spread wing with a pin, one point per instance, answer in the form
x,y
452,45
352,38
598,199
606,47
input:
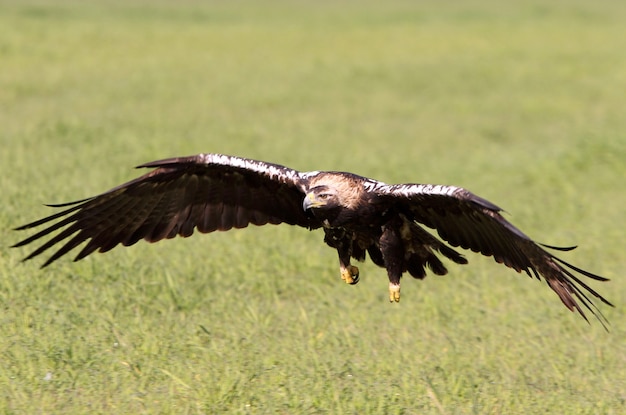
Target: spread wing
x,y
466,220
208,191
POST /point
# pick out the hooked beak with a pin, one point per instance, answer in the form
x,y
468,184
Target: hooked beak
x,y
310,201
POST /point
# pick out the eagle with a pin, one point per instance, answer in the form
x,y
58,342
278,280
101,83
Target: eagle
x,y
359,216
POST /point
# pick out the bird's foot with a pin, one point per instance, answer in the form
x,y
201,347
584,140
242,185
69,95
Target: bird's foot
x,y
394,292
350,274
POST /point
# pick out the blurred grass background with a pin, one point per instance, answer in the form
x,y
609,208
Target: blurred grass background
x,y
521,103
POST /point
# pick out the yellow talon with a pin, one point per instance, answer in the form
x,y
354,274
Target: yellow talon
x,y
394,292
350,274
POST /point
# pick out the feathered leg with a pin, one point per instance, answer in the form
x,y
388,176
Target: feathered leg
x,y
349,273
339,240
392,249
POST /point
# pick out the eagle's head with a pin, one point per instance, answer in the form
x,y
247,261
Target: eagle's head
x,y
321,198
333,197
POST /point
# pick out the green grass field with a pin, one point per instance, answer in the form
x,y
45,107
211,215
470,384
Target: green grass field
x,y
523,104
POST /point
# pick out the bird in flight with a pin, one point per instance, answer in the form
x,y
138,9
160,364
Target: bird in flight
x,y
359,217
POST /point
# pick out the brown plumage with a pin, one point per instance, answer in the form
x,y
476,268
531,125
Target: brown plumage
x,y
359,216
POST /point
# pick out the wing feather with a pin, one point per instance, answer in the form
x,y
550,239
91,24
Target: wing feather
x,y
208,191
466,220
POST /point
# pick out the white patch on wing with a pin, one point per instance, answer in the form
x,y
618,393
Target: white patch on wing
x,y
309,174
416,189
375,186
273,171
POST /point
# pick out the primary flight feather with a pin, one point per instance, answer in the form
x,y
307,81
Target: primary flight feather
x,y
359,216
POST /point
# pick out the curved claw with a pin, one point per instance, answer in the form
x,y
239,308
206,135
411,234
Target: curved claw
x,y
394,292
350,274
